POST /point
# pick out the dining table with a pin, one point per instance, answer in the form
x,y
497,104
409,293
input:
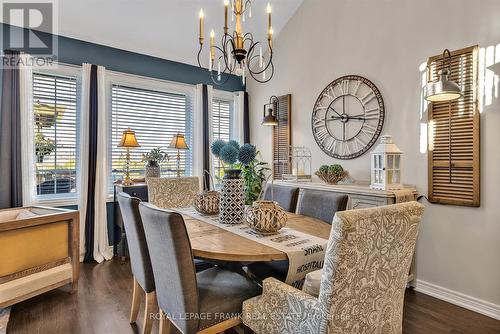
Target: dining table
x,y
214,243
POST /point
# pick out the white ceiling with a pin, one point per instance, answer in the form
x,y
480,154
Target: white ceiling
x,y
162,28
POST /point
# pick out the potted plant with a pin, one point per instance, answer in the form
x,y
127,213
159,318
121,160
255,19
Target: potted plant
x,y
154,158
43,146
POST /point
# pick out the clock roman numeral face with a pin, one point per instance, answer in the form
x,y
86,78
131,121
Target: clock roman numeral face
x,y
348,117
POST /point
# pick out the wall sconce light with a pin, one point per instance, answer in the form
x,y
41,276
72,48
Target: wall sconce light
x,y
270,112
443,89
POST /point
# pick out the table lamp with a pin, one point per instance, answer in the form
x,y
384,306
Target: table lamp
x,y
179,143
128,141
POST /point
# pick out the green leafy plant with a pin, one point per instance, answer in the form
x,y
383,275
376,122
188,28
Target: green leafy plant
x,y
254,175
43,146
156,155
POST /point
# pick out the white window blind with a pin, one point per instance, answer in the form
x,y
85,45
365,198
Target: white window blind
x,y
155,116
222,120
55,135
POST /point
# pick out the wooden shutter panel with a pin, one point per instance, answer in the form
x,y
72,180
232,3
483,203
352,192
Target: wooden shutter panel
x,y
282,137
454,134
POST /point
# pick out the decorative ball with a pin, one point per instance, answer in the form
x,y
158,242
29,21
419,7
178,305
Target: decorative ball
x,y
335,169
324,169
234,143
217,145
248,152
229,154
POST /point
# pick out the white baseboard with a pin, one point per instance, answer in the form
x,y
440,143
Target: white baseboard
x,y
460,299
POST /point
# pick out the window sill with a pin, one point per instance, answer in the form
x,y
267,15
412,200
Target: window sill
x,y
56,202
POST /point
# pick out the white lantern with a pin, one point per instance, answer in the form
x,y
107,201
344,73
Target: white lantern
x,y
386,165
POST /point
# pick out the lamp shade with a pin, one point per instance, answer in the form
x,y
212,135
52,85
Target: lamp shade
x,y
442,90
178,142
270,111
270,119
128,139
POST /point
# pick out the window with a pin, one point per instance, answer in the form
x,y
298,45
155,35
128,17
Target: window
x,y
222,118
55,135
155,116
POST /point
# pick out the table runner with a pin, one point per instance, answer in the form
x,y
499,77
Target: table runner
x,y
305,252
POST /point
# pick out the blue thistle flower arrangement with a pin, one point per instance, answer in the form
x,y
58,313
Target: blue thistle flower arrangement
x,y
248,153
229,154
234,143
217,146
252,170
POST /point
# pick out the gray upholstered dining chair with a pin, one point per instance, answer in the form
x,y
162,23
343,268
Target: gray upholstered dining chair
x,y
175,192
172,192
285,196
139,260
364,278
211,299
321,204
313,203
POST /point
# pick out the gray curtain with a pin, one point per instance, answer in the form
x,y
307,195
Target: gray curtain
x,y
10,137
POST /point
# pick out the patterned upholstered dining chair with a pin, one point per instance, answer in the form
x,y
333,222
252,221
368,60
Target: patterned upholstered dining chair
x,y
139,260
207,302
318,204
364,278
172,192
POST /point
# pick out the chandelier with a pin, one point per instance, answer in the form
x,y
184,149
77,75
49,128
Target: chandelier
x,y
238,53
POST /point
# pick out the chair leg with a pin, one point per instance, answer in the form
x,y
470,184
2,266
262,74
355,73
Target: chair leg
x,y
149,311
164,323
136,301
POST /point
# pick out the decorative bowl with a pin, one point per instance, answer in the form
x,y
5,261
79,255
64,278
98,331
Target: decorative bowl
x,y
331,178
265,217
207,202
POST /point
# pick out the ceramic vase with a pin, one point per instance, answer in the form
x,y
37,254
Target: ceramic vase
x,y
232,198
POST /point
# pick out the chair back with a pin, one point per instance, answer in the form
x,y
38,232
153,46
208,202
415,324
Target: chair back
x,y
173,266
172,192
136,240
321,204
366,268
284,195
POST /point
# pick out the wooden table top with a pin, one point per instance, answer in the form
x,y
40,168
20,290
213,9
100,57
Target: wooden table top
x,y
214,243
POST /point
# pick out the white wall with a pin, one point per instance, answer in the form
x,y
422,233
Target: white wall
x,y
387,41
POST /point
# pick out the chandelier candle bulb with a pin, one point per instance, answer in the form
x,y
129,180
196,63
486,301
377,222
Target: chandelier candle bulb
x,y
202,19
269,10
226,6
212,43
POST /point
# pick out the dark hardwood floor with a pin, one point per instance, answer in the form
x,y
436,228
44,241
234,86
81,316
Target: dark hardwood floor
x,y
104,296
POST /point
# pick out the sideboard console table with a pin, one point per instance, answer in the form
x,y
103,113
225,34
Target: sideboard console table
x,y
361,196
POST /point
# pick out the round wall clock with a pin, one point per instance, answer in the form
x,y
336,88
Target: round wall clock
x,y
348,117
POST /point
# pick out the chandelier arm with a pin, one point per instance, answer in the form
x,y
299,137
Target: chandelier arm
x,y
263,81
226,55
199,54
269,63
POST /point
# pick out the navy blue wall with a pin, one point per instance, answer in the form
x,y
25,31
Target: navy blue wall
x,y
76,52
